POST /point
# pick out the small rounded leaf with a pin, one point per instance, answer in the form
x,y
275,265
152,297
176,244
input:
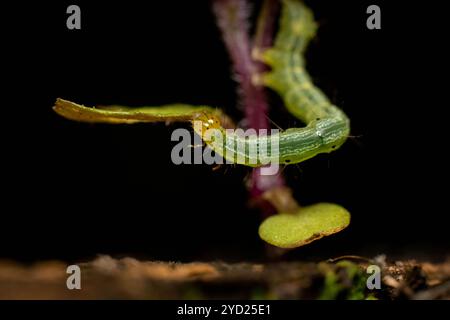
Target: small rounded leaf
x,y
310,223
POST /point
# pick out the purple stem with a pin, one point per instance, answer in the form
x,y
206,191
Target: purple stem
x,y
232,19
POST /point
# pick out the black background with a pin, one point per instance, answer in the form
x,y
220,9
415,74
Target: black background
x,y
73,190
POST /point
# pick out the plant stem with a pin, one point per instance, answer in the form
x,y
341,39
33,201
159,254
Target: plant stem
x,y
258,114
232,19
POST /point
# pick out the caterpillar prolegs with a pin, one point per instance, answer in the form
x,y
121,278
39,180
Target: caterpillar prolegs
x,y
327,127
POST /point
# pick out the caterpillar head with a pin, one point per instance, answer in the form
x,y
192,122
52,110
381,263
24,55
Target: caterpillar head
x,y
208,121
205,123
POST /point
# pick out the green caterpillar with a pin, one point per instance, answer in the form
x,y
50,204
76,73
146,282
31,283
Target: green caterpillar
x,y
327,126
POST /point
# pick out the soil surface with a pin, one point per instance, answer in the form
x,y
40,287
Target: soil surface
x,y
128,278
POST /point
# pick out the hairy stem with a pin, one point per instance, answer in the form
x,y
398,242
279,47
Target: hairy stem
x,y
232,19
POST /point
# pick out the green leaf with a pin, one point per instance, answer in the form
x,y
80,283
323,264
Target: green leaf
x,y
309,224
121,114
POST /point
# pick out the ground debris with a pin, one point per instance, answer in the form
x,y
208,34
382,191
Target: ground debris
x,y
127,278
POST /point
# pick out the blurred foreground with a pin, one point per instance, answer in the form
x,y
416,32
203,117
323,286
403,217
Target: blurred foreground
x,y
127,278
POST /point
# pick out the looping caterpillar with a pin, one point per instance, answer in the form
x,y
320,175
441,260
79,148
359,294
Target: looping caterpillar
x,y
327,127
